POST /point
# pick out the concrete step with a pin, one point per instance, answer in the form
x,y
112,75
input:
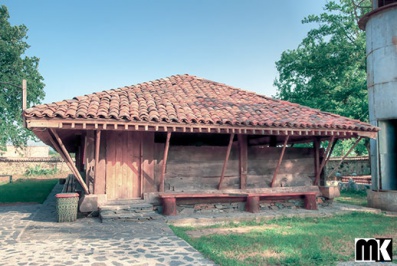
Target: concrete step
x,y
108,216
128,211
125,202
137,207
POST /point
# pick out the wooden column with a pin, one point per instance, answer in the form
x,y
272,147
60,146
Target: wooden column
x,y
24,95
97,149
229,148
89,152
316,146
243,160
326,157
62,150
279,161
162,177
344,157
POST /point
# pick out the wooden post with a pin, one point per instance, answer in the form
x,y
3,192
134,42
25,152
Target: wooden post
x,y
162,177
327,155
229,148
69,159
24,95
97,148
344,157
279,161
243,158
24,102
316,146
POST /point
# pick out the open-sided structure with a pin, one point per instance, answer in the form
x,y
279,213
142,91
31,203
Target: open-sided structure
x,y
184,133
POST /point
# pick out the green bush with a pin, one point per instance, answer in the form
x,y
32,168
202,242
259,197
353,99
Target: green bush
x,y
38,171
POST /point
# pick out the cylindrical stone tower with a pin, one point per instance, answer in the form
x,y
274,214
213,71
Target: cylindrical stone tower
x,y
381,29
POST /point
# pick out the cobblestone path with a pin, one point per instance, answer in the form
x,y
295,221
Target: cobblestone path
x,y
30,235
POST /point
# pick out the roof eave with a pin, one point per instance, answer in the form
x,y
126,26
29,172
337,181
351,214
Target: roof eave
x,y
42,123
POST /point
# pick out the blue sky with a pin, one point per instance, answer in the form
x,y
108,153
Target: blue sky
x,y
88,46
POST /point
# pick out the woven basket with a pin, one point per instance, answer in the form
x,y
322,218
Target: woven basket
x,y
67,204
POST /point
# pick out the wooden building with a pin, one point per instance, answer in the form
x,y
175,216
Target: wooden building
x,y
184,133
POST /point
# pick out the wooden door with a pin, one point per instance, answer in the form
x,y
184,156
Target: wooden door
x,y
123,169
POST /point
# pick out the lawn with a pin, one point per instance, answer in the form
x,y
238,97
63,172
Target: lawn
x,y
353,197
26,190
292,241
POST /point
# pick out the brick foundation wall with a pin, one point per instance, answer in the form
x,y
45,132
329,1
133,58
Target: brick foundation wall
x,y
265,205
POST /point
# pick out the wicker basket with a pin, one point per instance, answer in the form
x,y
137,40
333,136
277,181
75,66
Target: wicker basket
x,y
67,204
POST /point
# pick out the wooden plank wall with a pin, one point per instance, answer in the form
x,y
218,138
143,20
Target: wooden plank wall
x,y
123,166
199,168
149,162
100,178
296,168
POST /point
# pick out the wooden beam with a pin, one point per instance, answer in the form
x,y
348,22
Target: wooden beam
x,y
162,177
243,158
326,157
344,157
229,148
59,150
97,149
69,159
279,161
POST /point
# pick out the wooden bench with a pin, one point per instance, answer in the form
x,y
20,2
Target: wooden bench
x,y
69,185
253,199
169,199
9,177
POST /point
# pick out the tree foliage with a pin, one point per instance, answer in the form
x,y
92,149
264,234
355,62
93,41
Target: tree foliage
x,y
327,70
15,66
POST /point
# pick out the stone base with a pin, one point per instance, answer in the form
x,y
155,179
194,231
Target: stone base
x,y
384,200
330,192
90,203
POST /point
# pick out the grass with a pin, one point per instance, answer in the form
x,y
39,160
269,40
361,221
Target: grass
x,y
353,197
294,241
26,190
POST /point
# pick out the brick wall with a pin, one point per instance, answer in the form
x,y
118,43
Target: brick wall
x,y
351,166
18,166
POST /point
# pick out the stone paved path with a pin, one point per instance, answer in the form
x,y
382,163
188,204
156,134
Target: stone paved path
x,y
30,235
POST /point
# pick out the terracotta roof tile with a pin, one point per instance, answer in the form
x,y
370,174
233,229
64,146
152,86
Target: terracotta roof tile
x,y
186,99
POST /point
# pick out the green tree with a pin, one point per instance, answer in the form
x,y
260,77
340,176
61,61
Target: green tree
x,y
327,70
15,66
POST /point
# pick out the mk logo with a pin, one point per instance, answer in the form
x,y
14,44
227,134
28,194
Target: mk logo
x,y
374,249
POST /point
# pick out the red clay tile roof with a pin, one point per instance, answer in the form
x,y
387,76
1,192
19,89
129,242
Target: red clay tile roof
x,y
186,99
